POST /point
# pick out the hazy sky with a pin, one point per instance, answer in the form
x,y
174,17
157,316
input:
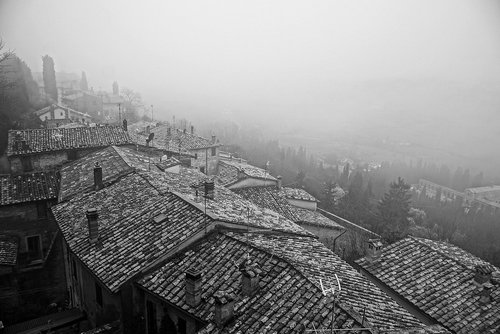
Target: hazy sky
x,y
266,56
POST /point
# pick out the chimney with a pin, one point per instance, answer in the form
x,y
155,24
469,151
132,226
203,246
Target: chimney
x,y
184,131
213,139
92,217
483,273
192,288
169,131
125,127
241,174
224,307
279,183
209,189
485,294
148,128
250,280
374,250
98,177
192,130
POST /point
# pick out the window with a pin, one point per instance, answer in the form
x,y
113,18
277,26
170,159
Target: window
x,y
34,247
62,114
214,151
98,294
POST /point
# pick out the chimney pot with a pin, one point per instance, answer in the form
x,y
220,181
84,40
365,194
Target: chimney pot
x,y
374,250
224,307
98,177
485,294
250,280
193,287
279,182
92,219
483,273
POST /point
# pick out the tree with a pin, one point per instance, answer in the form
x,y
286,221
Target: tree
x,y
394,211
49,78
132,102
83,82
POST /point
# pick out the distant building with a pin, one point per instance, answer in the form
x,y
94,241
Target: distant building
x,y
41,149
487,194
438,283
55,115
113,108
85,102
31,276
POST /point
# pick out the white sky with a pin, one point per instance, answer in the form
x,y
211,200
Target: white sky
x,y
265,56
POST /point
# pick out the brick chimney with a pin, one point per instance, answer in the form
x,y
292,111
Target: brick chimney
x,y
485,294
98,177
483,273
192,130
92,219
250,280
125,125
169,131
224,307
374,250
192,288
279,182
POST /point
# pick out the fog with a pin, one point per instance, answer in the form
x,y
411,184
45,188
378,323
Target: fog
x,y
419,71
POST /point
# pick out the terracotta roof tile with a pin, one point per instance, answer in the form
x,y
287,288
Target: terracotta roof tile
x,y
228,172
78,176
176,140
46,140
129,239
439,279
8,250
289,299
226,206
276,200
28,187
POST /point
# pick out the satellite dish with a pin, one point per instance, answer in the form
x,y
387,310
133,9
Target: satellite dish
x,y
151,136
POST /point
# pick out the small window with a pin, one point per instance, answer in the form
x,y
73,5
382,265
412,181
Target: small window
x,y
214,151
34,247
62,114
98,294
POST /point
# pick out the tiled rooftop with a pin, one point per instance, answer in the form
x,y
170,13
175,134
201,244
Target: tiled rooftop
x,y
226,206
276,200
290,298
297,193
178,139
228,172
129,239
28,187
8,250
78,176
46,140
439,279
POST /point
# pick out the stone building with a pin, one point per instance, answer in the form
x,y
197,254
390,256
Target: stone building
x,y
55,115
31,277
41,149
